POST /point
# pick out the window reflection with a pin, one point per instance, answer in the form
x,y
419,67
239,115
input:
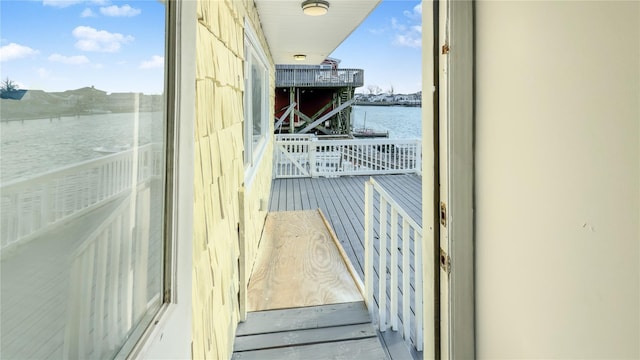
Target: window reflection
x,y
82,176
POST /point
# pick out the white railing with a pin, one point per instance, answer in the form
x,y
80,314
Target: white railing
x,y
306,156
108,292
30,207
301,75
394,244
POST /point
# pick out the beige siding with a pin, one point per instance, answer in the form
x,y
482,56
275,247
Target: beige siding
x,y
219,175
558,180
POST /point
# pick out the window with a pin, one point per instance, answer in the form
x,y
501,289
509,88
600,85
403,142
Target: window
x,y
256,99
83,146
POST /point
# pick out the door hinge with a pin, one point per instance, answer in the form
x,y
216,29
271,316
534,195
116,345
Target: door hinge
x,y
443,214
445,262
445,49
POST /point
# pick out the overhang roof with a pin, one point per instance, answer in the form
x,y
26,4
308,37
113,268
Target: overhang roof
x,y
290,32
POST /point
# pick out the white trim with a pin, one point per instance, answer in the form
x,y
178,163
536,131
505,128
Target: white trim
x,y
250,35
254,153
170,336
460,181
428,183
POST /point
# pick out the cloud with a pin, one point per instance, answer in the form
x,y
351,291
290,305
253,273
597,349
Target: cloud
x,y
61,3
69,60
155,62
415,13
408,31
66,3
124,10
87,13
397,25
15,51
407,41
90,39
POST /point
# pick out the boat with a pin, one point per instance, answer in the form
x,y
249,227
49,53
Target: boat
x,y
365,132
369,133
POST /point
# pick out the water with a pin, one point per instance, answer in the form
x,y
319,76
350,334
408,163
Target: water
x,y
36,146
402,122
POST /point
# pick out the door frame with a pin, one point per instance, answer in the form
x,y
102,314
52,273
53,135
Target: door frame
x,y
461,124
448,96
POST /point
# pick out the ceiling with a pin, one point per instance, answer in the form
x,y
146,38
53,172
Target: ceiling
x,y
289,31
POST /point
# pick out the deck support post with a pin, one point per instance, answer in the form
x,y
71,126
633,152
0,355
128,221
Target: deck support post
x,y
292,100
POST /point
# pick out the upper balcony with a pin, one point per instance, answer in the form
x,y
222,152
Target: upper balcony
x,y
317,76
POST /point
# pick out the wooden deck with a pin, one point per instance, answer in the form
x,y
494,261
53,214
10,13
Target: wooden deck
x,y
303,293
342,201
337,331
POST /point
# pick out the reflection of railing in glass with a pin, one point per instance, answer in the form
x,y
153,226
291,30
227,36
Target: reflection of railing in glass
x,y
33,206
88,240
109,274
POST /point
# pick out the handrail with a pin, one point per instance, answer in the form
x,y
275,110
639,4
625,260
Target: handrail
x,y
389,234
301,155
318,77
31,206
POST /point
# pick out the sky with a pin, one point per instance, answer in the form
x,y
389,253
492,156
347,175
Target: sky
x,y
57,45
117,46
388,46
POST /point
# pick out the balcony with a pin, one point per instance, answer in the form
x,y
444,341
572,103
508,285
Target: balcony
x,y
370,191
315,76
36,224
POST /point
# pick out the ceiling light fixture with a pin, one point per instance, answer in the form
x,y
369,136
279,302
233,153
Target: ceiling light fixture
x,y
315,7
299,57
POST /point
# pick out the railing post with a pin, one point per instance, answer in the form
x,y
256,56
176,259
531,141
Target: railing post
x,y
45,205
382,266
417,240
418,157
312,149
368,246
394,269
406,286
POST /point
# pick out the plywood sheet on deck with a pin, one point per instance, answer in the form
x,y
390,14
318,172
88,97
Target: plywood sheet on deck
x,y
298,264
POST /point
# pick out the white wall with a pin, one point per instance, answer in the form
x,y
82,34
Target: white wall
x,y
558,179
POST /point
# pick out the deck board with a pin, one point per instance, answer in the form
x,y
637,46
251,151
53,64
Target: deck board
x,y
368,348
336,331
311,317
303,337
